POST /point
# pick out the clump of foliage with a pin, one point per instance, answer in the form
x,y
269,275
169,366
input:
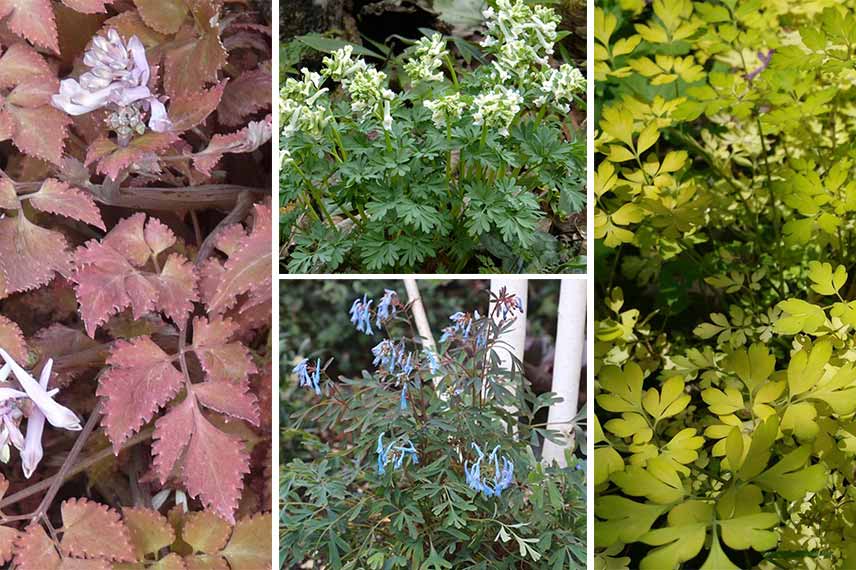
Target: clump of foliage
x,y
429,460
725,379
470,165
135,286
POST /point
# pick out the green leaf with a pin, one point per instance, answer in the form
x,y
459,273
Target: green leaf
x,y
825,281
682,539
791,479
622,520
329,45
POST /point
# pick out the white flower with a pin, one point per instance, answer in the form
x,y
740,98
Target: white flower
x,y
365,84
118,76
560,85
303,106
497,108
521,37
428,58
445,109
44,409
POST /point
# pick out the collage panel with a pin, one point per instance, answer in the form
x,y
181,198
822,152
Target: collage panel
x,y
135,285
433,137
433,423
725,387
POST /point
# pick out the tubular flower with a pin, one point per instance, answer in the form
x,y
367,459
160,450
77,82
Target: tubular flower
x,y
445,110
44,408
303,105
365,84
386,309
497,108
118,78
560,85
462,323
502,477
428,54
307,379
395,454
522,36
361,315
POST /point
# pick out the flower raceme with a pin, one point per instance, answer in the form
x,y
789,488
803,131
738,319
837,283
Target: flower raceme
x,y
428,58
43,408
361,315
117,79
307,378
500,477
394,454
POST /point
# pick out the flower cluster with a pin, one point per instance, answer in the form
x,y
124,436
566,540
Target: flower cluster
x,y
365,84
445,110
361,314
307,378
389,356
387,308
394,453
303,106
118,79
461,324
522,37
428,54
501,477
507,305
497,108
42,407
560,86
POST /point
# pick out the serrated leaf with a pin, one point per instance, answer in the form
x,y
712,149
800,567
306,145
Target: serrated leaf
x,y
141,378
92,530
222,359
250,545
215,465
228,399
38,131
12,340
148,529
247,94
165,16
113,159
34,550
33,20
206,532
20,63
171,435
248,269
30,255
57,197
194,64
187,111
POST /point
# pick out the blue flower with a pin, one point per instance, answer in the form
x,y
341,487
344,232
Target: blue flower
x,y
507,304
502,477
307,379
385,354
433,363
361,315
386,309
404,397
461,325
394,453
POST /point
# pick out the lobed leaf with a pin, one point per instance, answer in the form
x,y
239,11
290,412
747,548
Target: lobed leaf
x,y
94,531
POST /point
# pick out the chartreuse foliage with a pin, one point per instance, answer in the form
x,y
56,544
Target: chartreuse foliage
x,y
726,386
451,157
396,481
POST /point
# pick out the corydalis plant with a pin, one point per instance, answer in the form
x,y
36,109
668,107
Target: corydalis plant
x,y
454,166
418,465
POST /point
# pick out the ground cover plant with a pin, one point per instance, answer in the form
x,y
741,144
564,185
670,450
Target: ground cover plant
x,y
449,156
428,458
726,386
135,273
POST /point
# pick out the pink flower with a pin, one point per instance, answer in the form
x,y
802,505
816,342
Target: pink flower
x,y
44,409
118,76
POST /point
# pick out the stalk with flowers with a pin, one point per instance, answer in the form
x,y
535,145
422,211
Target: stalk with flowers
x,y
439,161
417,465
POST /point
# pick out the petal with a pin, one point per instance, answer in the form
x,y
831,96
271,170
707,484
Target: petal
x,y
138,54
126,95
56,414
159,121
32,453
15,435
